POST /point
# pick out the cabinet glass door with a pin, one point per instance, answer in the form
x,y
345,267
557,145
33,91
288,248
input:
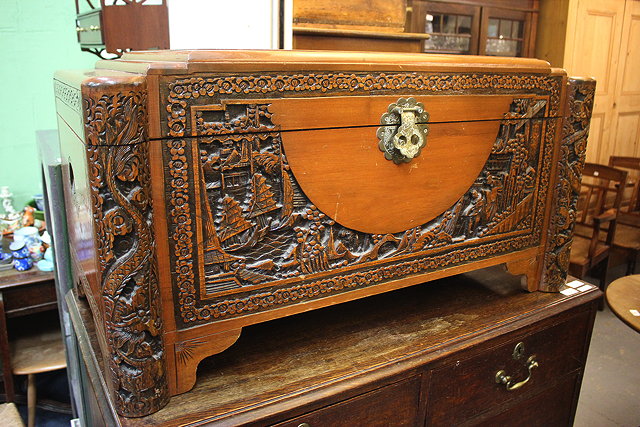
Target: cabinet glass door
x,y
449,33
503,33
453,28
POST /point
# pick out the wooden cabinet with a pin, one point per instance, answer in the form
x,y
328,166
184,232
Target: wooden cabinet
x,y
599,38
496,28
426,353
357,25
121,26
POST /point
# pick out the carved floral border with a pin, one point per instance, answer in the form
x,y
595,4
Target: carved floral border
x,y
182,92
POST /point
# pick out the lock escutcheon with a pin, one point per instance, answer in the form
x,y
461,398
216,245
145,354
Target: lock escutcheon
x,y
404,142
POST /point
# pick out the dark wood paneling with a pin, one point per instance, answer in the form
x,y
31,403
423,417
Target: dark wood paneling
x,y
395,404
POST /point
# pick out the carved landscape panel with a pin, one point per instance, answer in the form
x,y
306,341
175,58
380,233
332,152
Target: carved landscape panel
x,y
245,238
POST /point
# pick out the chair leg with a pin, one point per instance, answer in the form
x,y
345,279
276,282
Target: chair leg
x,y
31,400
602,280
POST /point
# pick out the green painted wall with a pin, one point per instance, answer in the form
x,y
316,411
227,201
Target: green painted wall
x,y
37,37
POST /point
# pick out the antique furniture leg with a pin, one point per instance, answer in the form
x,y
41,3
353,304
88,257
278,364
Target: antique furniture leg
x,y
5,352
189,354
31,400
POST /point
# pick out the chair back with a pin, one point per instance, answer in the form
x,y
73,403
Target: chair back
x,y
631,200
601,191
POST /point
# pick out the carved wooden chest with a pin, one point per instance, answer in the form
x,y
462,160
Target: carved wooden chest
x,y
212,190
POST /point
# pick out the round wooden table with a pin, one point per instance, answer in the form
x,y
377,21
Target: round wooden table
x,y
623,296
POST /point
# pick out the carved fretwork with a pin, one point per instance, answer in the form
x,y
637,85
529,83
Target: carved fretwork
x,y
570,164
117,152
255,227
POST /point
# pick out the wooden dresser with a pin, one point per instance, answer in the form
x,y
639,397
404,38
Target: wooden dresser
x,y
430,352
207,191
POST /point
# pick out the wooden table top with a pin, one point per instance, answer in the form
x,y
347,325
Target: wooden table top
x,y
320,350
623,296
12,278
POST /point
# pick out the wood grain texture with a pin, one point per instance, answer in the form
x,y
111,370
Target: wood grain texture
x,y
461,387
378,15
356,40
42,351
396,403
167,62
623,295
357,110
387,198
342,353
247,181
558,401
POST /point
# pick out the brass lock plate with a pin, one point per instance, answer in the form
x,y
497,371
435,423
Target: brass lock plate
x,y
405,130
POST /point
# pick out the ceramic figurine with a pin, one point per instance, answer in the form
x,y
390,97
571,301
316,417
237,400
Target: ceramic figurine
x,y
10,220
19,250
22,264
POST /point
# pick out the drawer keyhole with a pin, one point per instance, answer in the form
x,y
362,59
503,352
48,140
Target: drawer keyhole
x,y
518,351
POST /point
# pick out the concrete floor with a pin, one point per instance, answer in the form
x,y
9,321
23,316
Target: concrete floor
x,y
610,394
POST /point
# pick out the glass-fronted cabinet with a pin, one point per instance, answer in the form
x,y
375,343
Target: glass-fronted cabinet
x,y
476,27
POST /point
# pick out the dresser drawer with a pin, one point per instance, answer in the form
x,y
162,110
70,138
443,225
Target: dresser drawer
x,y
557,402
396,404
468,387
89,29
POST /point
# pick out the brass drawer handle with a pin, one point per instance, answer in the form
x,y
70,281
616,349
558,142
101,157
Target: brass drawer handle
x,y
503,378
91,28
404,142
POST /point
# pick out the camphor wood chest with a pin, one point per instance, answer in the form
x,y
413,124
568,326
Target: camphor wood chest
x,y
211,190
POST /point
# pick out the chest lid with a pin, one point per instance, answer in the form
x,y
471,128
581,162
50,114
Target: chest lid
x,y
322,89
379,142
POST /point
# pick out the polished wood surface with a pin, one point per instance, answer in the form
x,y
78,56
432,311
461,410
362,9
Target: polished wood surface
x,y
35,352
356,40
623,297
355,361
26,292
389,198
38,351
359,111
182,62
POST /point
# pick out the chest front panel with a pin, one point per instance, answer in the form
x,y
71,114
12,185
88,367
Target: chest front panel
x,y
277,191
